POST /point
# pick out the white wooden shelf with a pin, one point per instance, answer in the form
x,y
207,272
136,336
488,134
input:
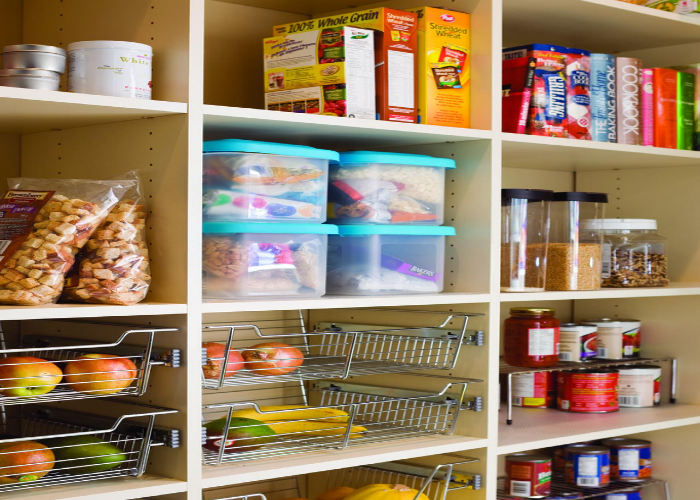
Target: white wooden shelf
x,y
27,111
261,470
329,131
570,155
540,428
673,290
59,311
124,488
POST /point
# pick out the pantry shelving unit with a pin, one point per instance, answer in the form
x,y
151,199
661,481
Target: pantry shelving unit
x,y
207,86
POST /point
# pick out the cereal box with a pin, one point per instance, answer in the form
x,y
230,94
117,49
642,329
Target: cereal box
x,y
578,93
603,98
395,42
516,87
443,67
548,116
629,100
325,100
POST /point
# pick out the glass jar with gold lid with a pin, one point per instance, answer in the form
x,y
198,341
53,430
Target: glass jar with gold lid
x,y
531,337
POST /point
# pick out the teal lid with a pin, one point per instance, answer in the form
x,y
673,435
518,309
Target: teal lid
x,y
368,229
270,148
395,158
216,227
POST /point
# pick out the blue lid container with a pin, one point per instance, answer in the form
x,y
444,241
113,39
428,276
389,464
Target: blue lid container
x,y
369,230
270,148
215,227
364,157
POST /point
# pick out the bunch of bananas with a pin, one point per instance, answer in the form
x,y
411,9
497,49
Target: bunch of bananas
x,y
303,420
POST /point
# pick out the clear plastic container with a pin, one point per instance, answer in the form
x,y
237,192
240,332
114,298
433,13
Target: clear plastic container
x,y
634,255
386,260
575,252
524,236
243,260
265,181
387,188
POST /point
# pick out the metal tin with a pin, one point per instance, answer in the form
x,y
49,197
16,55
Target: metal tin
x,y
528,475
577,342
29,79
617,338
624,495
630,459
588,391
27,56
566,496
587,466
535,390
640,386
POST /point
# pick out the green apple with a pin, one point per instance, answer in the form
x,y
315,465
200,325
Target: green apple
x,y
86,454
25,376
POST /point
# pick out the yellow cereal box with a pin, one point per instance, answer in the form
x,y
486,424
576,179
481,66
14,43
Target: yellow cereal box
x,y
443,67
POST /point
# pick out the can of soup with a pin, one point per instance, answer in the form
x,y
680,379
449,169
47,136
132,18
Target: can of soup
x,y
623,495
577,342
630,459
640,386
565,496
617,338
534,390
588,391
528,475
587,466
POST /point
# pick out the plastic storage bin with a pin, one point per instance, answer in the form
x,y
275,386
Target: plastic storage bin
x,y
633,253
265,181
385,260
387,188
273,260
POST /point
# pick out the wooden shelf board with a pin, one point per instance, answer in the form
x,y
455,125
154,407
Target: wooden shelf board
x,y
535,428
608,26
325,131
57,311
261,470
673,290
26,111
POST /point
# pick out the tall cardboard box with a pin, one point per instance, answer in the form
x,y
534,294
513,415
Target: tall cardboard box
x,y
443,67
396,43
694,69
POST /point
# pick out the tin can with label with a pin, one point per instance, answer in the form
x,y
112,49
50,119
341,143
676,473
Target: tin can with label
x,y
587,466
577,342
617,338
640,386
528,475
534,390
623,495
566,496
630,459
588,391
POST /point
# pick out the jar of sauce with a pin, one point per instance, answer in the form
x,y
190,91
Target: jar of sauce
x,y
531,337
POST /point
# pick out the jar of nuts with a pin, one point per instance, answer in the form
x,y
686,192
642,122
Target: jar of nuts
x,y
634,254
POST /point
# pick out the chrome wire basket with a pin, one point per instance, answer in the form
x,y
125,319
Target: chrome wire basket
x,y
341,415
51,369
340,350
559,486
71,453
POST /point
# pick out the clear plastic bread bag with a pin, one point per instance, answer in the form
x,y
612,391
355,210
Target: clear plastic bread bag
x,y
43,225
113,268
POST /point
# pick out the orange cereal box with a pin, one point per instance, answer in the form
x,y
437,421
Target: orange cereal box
x,y
443,67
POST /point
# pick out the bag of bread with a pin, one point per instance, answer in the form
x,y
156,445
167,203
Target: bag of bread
x,y
113,268
43,224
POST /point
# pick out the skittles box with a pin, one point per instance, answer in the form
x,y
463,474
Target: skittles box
x,y
395,46
443,67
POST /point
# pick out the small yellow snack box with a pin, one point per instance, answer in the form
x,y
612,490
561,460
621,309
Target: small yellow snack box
x,y
443,67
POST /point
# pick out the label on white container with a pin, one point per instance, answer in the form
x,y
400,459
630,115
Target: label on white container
x,y
118,72
541,342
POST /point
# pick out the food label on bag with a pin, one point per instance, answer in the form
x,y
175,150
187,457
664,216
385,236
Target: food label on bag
x,y
18,209
409,269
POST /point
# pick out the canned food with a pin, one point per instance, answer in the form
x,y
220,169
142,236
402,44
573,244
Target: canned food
x,y
535,390
528,475
623,495
588,391
29,56
617,338
587,466
640,386
565,496
630,458
577,342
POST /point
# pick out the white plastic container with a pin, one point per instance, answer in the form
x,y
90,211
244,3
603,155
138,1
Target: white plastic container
x,y
265,181
639,386
368,187
119,69
246,259
387,260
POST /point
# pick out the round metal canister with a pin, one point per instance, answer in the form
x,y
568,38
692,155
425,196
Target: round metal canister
x,y
630,459
27,56
588,391
29,79
577,343
617,338
587,466
528,475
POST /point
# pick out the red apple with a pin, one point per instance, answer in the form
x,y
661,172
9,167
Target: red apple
x,y
24,461
100,373
26,376
272,358
215,360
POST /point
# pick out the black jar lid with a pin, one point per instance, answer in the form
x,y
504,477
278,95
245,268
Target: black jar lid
x,y
581,196
527,194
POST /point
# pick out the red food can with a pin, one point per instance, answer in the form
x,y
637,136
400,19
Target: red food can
x,y
535,390
528,475
588,391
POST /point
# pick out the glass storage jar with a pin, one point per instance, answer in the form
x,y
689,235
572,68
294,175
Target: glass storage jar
x,y
524,234
634,254
531,337
575,251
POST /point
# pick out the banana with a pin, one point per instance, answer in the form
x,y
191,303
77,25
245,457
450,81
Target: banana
x,y
276,413
305,428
